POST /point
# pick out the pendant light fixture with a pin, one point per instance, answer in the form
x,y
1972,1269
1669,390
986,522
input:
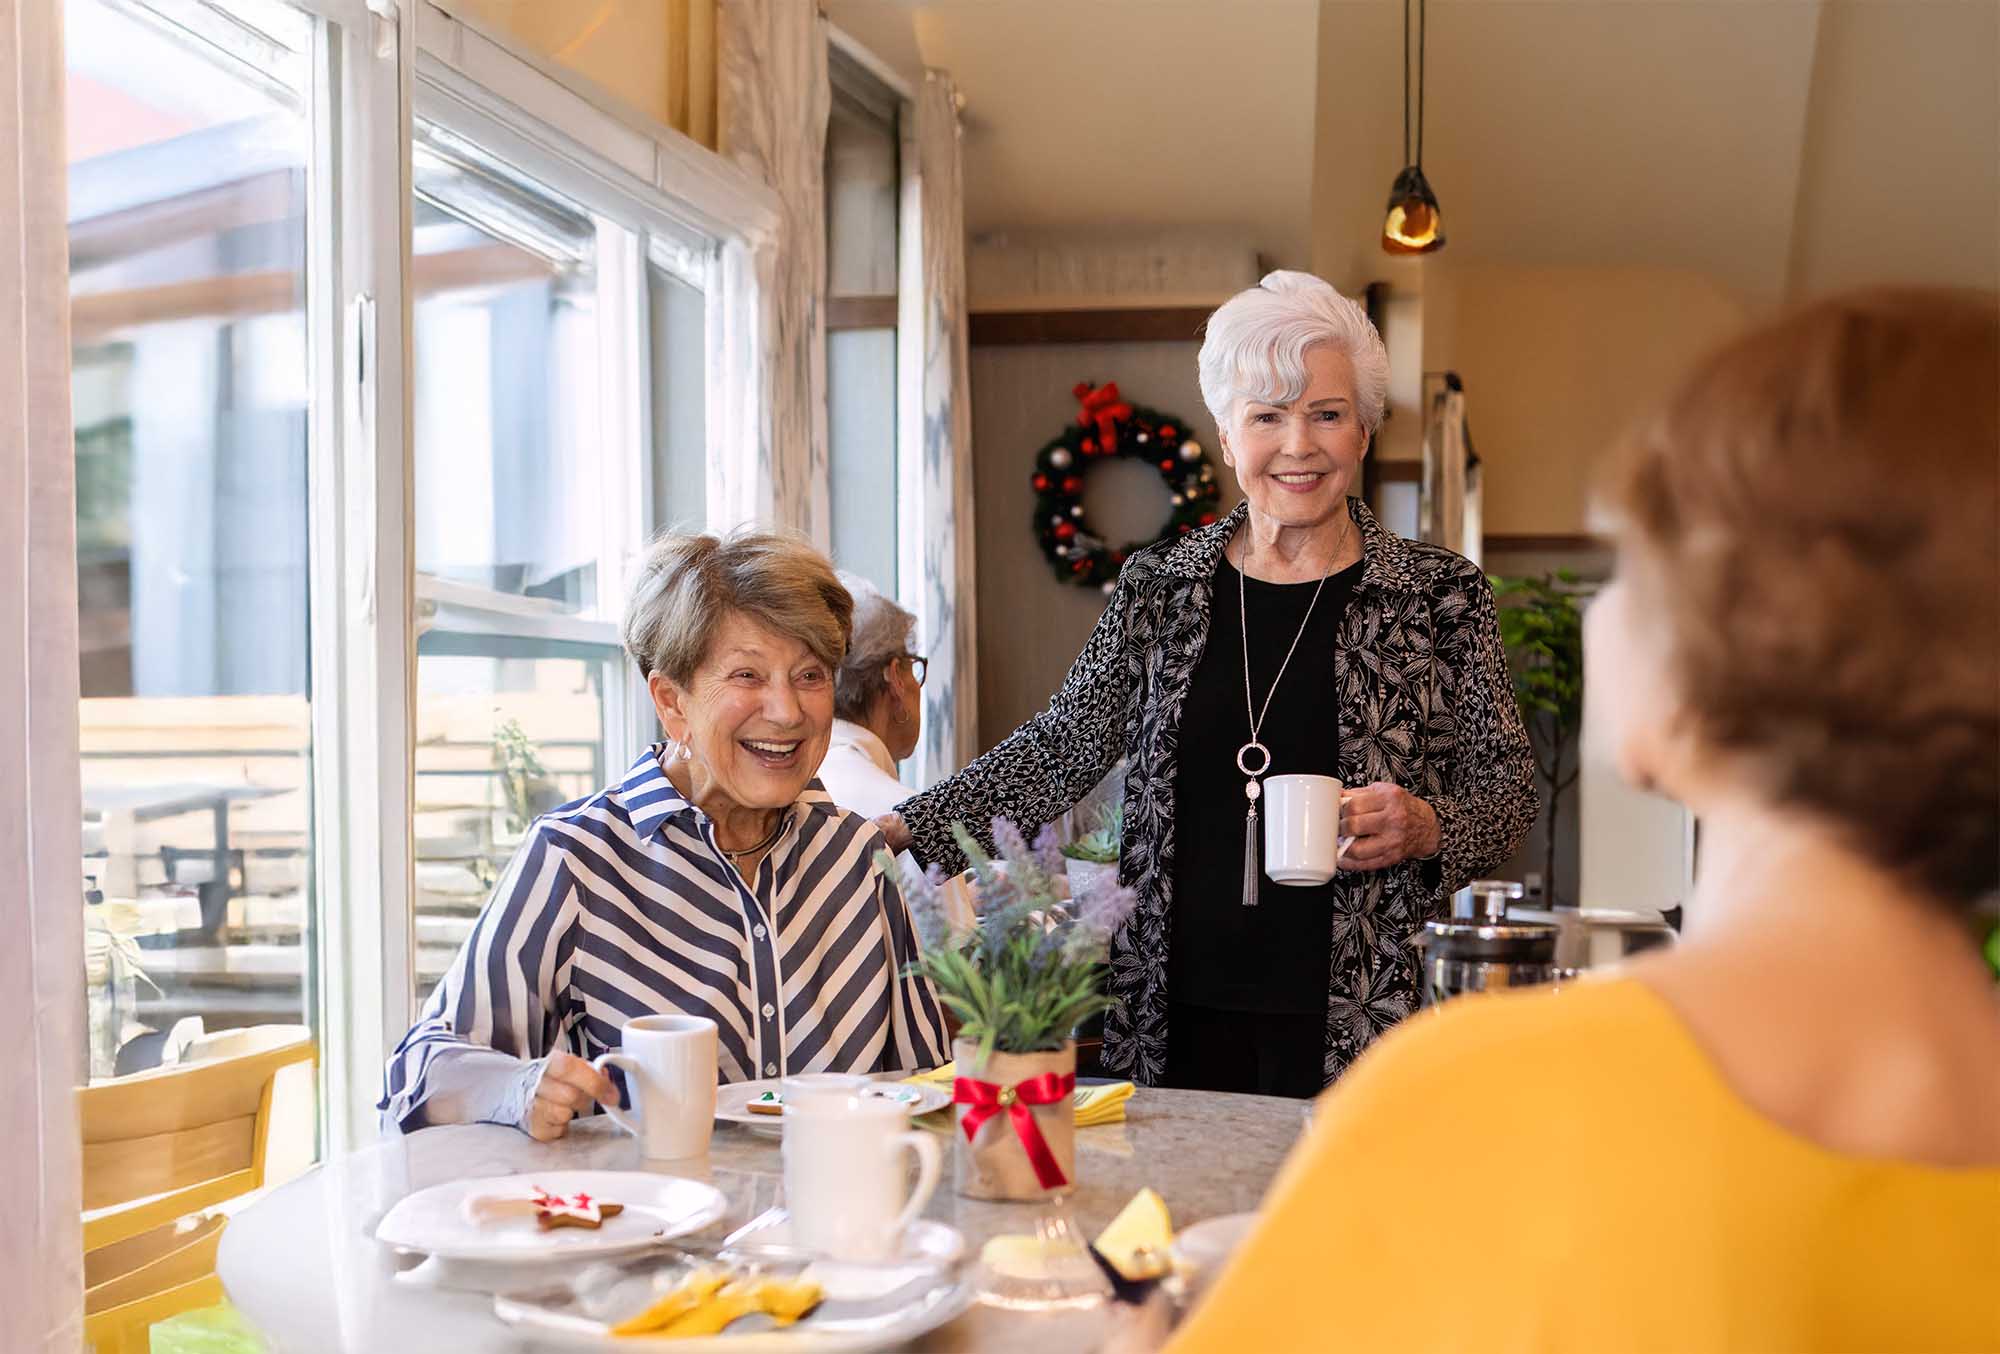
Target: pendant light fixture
x,y
1413,225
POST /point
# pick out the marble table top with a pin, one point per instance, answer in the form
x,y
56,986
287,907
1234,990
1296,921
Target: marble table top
x,y
302,1266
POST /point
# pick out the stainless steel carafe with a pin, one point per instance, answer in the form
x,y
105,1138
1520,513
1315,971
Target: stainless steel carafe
x,y
1479,949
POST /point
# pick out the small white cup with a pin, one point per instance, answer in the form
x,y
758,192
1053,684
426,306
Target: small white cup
x,y
844,1175
1302,841
669,1066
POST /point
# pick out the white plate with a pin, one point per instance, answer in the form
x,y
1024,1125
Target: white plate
x,y
731,1101
933,1297
657,1207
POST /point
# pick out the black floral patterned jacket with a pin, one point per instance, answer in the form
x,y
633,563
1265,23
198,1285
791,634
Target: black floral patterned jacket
x,y
1425,701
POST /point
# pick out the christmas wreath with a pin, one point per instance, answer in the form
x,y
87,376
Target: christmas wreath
x,y
1108,427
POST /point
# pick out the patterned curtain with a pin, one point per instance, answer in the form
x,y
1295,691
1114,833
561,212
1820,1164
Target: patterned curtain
x,y
773,100
935,564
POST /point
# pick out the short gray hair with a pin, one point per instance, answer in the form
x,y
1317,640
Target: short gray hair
x,y
687,583
881,633
1255,347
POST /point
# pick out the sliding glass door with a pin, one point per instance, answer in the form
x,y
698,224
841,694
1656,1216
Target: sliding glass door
x,y
189,159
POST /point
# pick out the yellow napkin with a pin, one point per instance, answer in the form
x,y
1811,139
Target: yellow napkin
x,y
1102,1104
1094,1104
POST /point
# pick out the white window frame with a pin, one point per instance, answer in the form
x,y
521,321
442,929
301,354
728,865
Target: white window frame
x,y
359,551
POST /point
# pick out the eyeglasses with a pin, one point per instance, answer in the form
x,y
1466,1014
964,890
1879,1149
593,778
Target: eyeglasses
x,y
919,666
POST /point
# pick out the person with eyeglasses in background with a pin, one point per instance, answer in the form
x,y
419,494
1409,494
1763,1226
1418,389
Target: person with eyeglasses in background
x,y
878,706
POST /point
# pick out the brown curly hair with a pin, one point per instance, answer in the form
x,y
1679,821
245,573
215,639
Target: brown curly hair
x,y
686,584
1815,516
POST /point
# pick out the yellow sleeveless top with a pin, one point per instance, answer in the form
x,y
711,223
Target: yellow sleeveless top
x,y
1567,1171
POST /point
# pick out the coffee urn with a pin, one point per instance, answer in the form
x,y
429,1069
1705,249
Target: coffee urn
x,y
1479,950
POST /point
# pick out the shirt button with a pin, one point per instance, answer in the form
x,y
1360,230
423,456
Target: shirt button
x,y
758,931
769,1010
770,1069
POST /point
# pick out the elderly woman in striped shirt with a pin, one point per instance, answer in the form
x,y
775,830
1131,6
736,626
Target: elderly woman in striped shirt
x,y
716,879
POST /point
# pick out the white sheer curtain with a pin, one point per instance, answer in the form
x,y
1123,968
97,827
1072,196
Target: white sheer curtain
x,y
935,568
41,881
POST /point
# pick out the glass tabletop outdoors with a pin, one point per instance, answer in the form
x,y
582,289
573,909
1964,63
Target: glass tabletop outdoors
x,y
302,1265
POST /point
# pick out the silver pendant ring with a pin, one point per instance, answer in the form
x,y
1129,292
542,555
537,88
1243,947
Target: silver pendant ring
x,y
1248,748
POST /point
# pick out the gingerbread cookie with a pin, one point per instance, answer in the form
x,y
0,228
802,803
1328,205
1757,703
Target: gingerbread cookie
x,y
579,1210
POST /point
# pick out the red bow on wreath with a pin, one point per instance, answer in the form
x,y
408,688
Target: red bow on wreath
x,y
988,1098
1102,406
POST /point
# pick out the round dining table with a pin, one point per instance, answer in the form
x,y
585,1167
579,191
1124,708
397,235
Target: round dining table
x,y
303,1266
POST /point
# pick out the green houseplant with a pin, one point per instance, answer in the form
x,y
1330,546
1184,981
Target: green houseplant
x,y
1542,627
1019,981
1091,861
521,772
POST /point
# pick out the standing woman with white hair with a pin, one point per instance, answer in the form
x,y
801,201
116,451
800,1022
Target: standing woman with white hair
x,y
1300,626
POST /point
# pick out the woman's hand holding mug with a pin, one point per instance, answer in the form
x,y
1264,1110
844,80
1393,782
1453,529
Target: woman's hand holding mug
x,y
1389,825
568,1086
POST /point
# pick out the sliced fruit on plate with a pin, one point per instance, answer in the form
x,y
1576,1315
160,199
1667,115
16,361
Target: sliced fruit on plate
x,y
685,1298
707,1300
1143,1225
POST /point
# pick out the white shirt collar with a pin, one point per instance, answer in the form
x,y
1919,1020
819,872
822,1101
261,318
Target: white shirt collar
x,y
864,741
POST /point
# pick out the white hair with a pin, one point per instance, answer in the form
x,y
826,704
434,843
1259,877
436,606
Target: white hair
x,y
881,632
1255,348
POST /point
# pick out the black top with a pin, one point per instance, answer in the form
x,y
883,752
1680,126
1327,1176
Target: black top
x,y
1273,957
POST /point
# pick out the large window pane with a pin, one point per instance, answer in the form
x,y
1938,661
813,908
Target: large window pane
x,y
863,192
861,451
863,184
680,437
187,197
509,492
506,729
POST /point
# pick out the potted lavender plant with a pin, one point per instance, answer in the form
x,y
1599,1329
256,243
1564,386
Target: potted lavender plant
x,y
1019,981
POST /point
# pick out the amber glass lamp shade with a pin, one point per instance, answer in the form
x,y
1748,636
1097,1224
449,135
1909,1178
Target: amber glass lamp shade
x,y
1414,225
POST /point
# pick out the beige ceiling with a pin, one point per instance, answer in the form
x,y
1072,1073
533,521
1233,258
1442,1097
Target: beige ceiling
x,y
1579,131
1775,146
1144,113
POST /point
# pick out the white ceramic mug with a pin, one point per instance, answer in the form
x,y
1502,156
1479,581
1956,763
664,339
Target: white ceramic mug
x,y
844,1175
1302,841
802,1086
669,1066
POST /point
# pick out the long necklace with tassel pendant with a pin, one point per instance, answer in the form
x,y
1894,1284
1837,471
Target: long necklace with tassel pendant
x,y
1253,865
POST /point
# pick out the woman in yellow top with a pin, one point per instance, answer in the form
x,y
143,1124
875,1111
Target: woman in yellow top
x,y
1784,1134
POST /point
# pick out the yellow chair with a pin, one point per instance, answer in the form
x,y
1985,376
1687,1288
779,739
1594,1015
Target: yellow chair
x,y
157,1147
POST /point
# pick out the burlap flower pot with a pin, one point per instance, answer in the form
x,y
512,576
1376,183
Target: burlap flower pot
x,y
995,1164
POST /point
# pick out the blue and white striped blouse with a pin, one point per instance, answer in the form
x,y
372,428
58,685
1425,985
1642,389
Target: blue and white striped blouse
x,y
622,905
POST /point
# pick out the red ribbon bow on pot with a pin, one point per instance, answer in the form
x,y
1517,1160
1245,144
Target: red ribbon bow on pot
x,y
1102,406
988,1098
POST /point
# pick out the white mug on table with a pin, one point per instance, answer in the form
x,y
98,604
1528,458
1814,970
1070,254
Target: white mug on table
x,y
669,1066
844,1176
1302,841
